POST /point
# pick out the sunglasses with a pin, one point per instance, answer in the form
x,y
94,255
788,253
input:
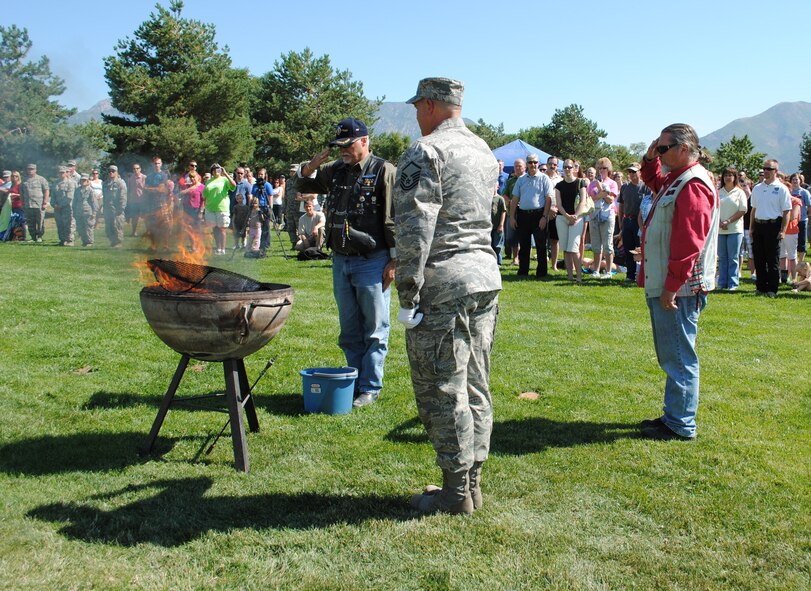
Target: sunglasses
x,y
663,149
532,162
568,167
769,168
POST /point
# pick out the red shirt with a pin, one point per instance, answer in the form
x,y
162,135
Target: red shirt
x,y
692,216
16,200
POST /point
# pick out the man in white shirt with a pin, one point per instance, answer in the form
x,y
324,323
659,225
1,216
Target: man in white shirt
x,y
529,213
771,206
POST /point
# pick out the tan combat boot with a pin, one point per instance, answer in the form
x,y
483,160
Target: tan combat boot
x,y
475,481
453,497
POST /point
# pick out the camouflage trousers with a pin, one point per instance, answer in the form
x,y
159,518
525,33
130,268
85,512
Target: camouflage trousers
x,y
35,217
65,226
85,222
449,354
113,226
291,216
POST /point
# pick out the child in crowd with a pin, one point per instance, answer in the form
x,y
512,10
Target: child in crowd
x,y
255,219
803,282
239,221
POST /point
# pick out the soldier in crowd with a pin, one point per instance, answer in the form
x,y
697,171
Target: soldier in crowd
x,y
72,174
135,192
154,204
35,192
360,233
448,283
291,205
115,203
84,210
62,202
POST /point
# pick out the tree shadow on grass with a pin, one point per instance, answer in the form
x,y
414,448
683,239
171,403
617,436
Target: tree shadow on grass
x,y
531,435
180,512
79,452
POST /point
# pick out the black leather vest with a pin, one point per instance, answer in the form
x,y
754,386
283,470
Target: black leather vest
x,y
356,215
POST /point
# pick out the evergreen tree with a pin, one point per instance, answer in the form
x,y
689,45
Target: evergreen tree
x,y
390,145
297,105
493,135
569,134
33,126
737,152
181,97
805,157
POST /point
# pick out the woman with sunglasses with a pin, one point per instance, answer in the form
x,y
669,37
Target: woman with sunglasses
x,y
570,199
604,191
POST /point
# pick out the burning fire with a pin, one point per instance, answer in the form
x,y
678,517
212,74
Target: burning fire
x,y
169,230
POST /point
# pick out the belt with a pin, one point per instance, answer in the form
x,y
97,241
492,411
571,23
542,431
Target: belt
x,y
531,210
771,221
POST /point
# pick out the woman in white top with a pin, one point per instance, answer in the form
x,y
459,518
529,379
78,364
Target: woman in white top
x,y
730,229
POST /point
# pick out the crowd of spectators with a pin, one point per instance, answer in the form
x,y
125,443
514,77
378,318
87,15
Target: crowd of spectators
x,y
157,204
594,208
604,210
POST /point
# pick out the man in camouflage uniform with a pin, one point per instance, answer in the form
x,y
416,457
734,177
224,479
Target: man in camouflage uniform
x,y
62,203
34,192
115,202
448,282
291,205
84,210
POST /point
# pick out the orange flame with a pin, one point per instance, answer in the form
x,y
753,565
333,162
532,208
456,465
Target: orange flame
x,y
170,232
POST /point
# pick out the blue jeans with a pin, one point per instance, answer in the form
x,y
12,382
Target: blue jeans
x,y
363,313
674,338
497,241
729,247
630,240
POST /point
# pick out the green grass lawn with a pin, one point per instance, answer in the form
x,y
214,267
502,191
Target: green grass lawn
x,y
573,498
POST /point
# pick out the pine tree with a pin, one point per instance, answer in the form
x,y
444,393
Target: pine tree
x,y
297,105
181,97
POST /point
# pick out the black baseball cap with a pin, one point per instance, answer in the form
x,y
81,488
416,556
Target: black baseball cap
x,y
347,131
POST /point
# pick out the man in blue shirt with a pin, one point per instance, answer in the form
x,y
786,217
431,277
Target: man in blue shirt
x,y
263,191
529,215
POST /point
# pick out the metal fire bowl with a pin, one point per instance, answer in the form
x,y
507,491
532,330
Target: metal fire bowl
x,y
217,326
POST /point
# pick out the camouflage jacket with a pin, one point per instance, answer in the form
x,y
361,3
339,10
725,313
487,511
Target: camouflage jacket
x,y
63,194
84,201
443,193
115,196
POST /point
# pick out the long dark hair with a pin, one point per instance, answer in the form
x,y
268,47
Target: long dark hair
x,y
734,172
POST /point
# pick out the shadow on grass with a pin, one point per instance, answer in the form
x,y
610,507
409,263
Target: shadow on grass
x,y
180,512
80,452
291,405
277,404
532,435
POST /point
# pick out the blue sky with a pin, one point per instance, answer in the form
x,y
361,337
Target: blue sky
x,y
519,62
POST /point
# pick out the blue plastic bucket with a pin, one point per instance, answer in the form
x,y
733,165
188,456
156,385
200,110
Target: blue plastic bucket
x,y
329,390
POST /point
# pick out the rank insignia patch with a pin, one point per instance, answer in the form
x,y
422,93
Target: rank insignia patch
x,y
410,176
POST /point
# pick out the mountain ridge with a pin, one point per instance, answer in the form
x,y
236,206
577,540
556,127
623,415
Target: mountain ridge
x,y
777,131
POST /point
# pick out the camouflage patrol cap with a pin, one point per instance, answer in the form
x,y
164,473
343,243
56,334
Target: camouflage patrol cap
x,y
113,168
62,169
6,174
72,163
84,177
446,90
